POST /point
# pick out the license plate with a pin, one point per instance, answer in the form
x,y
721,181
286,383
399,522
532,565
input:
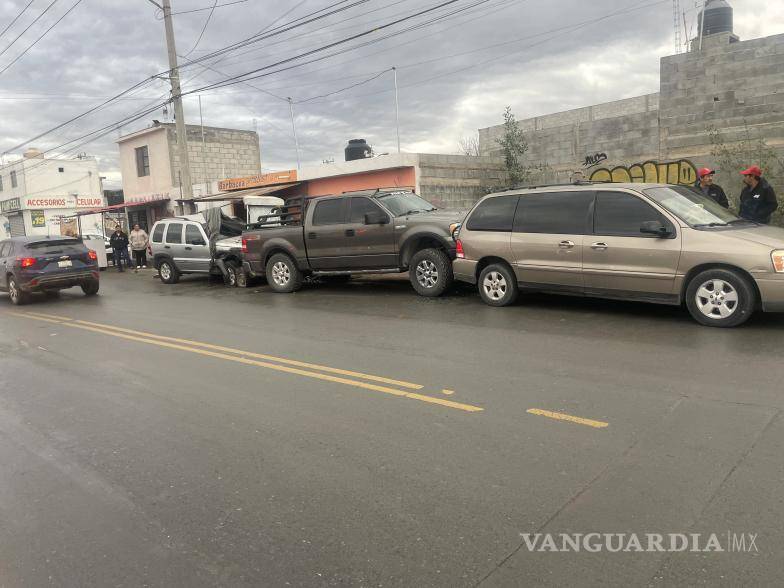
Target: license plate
x,y
66,263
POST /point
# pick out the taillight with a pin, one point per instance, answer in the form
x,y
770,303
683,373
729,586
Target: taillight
x,y
459,250
244,245
27,261
92,255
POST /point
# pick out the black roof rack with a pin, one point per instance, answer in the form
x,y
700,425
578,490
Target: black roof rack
x,y
553,185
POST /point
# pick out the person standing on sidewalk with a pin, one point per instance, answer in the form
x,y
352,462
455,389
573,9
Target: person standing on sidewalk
x,y
139,242
758,200
119,243
713,191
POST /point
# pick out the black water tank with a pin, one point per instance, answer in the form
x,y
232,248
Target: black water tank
x,y
357,149
718,17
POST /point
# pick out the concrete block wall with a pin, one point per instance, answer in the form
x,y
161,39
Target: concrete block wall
x,y
458,181
224,153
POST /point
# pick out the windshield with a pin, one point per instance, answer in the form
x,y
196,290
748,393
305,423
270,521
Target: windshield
x,y
53,244
693,208
402,203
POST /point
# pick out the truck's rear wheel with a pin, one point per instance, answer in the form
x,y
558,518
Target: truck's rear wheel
x,y
283,274
430,272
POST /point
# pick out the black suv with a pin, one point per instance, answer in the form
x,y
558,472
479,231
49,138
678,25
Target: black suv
x,y
46,264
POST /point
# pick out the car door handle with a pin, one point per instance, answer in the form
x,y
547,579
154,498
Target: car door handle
x,y
599,246
350,233
189,249
311,235
566,245
166,247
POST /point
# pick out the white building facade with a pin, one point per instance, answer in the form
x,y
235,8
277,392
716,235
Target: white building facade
x,y
41,196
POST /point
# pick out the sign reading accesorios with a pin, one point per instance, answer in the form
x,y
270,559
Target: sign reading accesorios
x,y
63,202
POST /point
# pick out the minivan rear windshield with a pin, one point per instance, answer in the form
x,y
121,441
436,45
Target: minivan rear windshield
x,y
53,243
695,209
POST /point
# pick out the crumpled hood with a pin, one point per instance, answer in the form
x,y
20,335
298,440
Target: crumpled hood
x,y
772,237
438,217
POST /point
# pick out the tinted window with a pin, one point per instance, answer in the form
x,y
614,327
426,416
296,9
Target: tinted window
x,y
157,234
5,249
621,214
53,244
360,207
494,214
193,235
330,212
174,233
559,213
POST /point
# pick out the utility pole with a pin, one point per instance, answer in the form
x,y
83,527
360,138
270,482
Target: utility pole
x,y
702,22
186,184
203,145
294,129
397,111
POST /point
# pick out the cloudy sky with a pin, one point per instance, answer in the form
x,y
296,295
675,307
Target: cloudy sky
x,y
458,67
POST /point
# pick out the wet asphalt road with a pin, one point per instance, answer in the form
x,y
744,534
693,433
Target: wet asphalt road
x,y
333,437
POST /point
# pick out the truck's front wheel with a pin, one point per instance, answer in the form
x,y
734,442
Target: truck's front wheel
x,y
430,272
283,274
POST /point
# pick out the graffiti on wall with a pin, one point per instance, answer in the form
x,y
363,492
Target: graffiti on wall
x,y
595,159
672,172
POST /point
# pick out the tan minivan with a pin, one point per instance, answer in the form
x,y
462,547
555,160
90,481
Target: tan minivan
x,y
650,242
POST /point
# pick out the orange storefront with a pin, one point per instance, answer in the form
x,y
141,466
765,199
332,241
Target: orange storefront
x,y
402,177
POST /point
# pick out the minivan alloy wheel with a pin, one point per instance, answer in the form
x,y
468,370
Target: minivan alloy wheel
x,y
717,299
427,273
165,271
495,285
13,291
281,274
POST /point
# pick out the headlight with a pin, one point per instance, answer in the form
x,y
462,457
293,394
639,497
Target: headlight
x,y
778,261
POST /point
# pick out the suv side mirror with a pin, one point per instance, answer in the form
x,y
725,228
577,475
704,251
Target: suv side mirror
x,y
376,217
655,228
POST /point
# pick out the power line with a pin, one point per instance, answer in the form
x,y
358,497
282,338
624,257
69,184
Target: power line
x,y
208,7
204,28
17,17
363,82
37,18
18,57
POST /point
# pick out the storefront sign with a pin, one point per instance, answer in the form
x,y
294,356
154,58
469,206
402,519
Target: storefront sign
x,y
49,202
10,204
257,181
38,218
88,202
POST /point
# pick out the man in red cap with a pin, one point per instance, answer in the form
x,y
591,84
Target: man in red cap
x,y
706,186
758,200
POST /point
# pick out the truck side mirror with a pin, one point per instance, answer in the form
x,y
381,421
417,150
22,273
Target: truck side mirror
x,y
376,218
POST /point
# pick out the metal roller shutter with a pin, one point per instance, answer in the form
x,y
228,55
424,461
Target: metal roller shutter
x,y
17,225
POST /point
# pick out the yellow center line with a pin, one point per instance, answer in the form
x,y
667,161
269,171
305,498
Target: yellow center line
x,y
83,325
559,416
282,360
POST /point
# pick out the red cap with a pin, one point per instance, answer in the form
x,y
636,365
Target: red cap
x,y
752,171
705,172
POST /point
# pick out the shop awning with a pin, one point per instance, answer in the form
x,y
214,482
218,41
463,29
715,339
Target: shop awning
x,y
115,207
240,194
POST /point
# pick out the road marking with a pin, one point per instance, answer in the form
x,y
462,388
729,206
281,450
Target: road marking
x,y
559,416
283,360
447,392
158,341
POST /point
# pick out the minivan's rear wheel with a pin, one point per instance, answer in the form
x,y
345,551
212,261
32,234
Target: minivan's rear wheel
x,y
430,272
283,274
497,285
168,272
720,298
15,293
91,288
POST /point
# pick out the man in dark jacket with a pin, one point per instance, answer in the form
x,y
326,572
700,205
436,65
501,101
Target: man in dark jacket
x,y
758,200
119,243
706,186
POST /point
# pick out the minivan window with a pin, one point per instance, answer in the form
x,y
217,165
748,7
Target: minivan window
x,y
174,233
621,214
494,214
558,213
193,235
157,234
330,212
5,249
691,207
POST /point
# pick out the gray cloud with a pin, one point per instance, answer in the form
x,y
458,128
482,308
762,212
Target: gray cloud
x,y
105,46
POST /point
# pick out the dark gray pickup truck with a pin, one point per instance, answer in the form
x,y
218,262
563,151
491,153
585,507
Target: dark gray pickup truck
x,y
373,231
